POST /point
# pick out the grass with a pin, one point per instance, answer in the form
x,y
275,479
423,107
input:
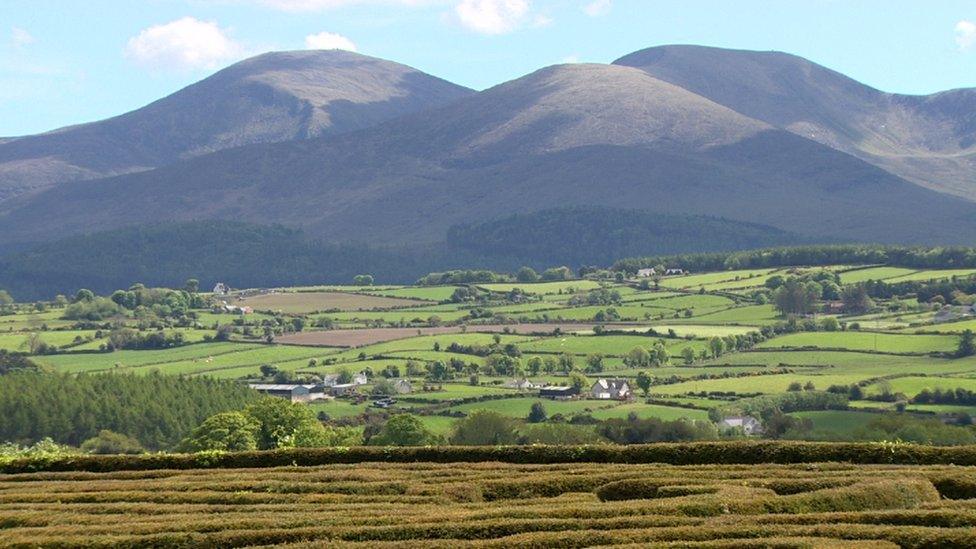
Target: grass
x,y
873,273
545,288
866,341
307,302
697,280
842,422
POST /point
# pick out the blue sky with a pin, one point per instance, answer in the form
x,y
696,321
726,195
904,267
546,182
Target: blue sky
x,y
66,61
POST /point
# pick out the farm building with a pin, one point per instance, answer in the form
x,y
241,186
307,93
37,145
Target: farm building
x,y
558,393
331,380
611,389
343,389
646,273
402,386
221,289
748,424
293,392
520,384
673,272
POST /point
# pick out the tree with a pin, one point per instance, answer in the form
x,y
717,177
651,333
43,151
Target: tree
x,y
363,280
278,421
829,324
268,370
796,296
537,414
717,346
688,354
527,274
5,300
638,357
578,381
856,299
795,386
404,430
644,381
484,428
566,363
84,295
594,363
535,365
967,344
110,442
227,432
192,285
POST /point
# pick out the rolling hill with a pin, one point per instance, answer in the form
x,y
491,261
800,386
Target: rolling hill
x,y
272,97
929,140
568,135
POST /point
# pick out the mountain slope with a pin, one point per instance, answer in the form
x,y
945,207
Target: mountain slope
x,y
930,140
269,98
563,136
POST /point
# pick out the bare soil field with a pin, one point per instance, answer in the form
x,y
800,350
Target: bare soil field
x,y
369,336
306,302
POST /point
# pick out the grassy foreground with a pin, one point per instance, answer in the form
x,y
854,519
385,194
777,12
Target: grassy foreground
x,y
475,503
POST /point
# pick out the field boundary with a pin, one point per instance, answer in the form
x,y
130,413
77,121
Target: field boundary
x,y
695,453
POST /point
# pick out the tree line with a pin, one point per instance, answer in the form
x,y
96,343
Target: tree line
x,y
156,410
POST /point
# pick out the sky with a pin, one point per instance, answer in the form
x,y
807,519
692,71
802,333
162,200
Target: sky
x,y
65,62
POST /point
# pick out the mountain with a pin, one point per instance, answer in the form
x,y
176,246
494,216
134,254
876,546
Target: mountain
x,y
269,98
570,135
929,140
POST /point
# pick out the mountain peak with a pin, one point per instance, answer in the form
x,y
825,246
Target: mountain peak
x,y
272,97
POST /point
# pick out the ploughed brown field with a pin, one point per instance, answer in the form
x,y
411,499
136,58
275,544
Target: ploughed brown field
x,y
369,336
307,302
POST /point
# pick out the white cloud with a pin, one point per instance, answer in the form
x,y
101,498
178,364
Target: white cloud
x,y
965,34
328,41
570,59
492,16
596,8
186,43
20,37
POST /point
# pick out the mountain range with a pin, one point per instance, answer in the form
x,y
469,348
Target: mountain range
x,y
351,149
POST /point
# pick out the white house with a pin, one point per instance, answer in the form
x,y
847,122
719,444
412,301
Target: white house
x,y
520,384
646,273
221,289
611,389
748,424
672,272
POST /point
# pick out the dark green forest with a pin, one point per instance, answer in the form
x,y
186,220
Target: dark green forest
x,y
589,235
156,410
248,255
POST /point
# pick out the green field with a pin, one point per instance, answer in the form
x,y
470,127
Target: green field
x,y
866,341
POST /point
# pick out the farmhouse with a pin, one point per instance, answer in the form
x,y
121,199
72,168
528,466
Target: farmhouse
x,y
611,389
520,384
221,289
292,392
558,393
645,273
748,424
673,272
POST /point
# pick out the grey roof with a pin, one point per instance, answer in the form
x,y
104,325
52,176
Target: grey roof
x,y
276,386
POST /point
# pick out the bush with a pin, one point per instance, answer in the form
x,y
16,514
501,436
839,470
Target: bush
x,y
109,442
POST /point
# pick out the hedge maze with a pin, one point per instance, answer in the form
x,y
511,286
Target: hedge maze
x,y
490,503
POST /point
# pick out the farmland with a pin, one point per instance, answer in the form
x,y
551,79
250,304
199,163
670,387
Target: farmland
x,y
717,338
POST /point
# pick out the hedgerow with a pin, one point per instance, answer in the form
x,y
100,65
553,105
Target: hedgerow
x,y
736,452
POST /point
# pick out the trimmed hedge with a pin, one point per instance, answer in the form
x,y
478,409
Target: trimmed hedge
x,y
692,453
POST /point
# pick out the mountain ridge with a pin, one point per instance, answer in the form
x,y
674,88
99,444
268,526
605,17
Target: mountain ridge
x,y
272,97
